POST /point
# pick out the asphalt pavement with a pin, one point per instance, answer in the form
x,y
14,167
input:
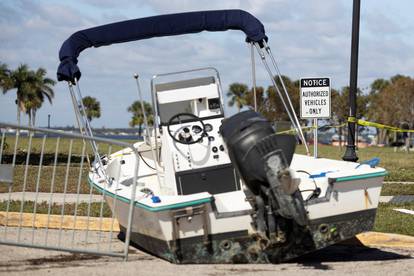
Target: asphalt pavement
x,y
334,260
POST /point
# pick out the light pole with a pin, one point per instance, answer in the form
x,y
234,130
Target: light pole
x,y
350,153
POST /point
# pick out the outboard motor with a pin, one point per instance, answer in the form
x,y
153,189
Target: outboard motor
x,y
249,137
262,159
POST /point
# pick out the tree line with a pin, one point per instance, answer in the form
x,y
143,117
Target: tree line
x,y
387,101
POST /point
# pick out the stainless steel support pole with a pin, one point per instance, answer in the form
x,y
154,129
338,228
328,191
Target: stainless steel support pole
x,y
155,110
293,118
302,137
315,138
262,56
131,206
77,115
85,121
84,126
154,156
136,76
253,75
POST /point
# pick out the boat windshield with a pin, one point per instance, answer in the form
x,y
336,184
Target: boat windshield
x,y
199,97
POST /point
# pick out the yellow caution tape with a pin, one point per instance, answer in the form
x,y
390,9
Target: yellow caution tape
x,y
119,155
293,130
377,125
353,120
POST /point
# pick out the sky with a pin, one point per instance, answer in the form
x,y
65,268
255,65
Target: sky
x,y
308,38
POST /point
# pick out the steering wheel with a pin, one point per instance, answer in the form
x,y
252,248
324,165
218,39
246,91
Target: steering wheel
x,y
185,136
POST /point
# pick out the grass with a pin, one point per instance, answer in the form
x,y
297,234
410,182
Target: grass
x,y
391,221
399,164
45,180
397,189
50,145
56,209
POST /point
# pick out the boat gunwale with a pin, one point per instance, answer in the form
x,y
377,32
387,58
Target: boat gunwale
x,y
358,177
209,199
150,208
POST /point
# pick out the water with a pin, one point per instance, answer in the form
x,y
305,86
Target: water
x,y
101,135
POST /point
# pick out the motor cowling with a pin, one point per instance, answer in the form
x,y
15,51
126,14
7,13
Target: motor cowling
x,y
249,137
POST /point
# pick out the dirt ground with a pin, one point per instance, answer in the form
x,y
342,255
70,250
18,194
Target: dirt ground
x,y
335,260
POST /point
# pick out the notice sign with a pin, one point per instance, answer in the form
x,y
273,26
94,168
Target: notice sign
x,y
315,98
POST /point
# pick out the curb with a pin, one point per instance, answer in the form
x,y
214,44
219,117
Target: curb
x,y
58,198
400,182
397,199
378,239
16,219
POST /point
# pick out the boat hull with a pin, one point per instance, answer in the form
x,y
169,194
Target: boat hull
x,y
243,246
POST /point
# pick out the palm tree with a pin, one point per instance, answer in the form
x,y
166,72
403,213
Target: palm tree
x,y
4,76
138,116
41,89
31,88
237,94
20,79
260,99
92,107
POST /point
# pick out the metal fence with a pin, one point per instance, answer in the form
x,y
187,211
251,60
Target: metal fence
x,y
45,199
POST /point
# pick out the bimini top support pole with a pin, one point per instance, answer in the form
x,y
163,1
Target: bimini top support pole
x,y
287,103
350,153
84,125
147,133
295,117
253,75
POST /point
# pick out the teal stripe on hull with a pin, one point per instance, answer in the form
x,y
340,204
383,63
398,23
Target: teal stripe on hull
x,y
149,208
363,176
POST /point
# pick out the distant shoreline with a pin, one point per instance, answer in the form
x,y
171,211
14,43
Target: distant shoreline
x,y
108,134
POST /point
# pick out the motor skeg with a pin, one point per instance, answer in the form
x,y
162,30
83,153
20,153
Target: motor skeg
x,y
249,137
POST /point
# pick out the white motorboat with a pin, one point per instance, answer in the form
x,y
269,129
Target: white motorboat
x,y
207,188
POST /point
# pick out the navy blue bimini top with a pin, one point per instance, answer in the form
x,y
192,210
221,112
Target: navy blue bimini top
x,y
155,26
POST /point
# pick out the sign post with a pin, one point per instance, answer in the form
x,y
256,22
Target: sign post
x,y
315,103
315,138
